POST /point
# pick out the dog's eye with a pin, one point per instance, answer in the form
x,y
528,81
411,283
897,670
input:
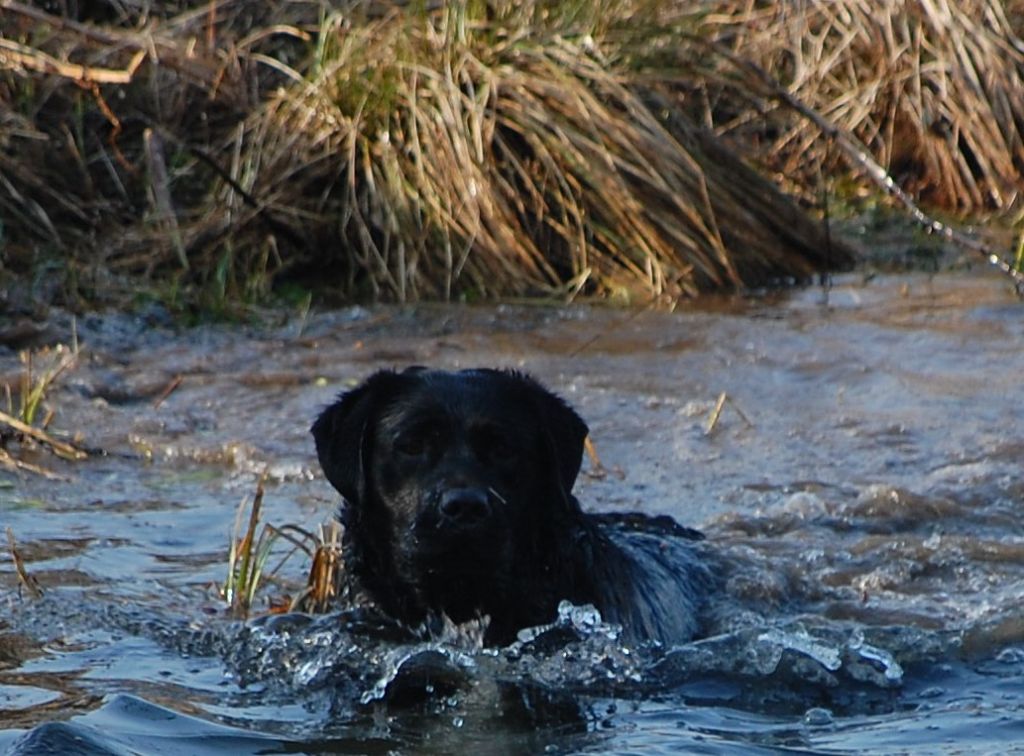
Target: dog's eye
x,y
413,443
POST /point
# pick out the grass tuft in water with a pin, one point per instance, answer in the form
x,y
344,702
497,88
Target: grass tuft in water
x,y
323,586
41,372
248,555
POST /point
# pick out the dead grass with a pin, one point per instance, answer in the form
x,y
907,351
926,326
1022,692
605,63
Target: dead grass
x,y
934,88
403,151
249,553
456,156
26,581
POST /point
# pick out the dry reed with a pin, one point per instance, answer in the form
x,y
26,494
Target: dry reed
x,y
453,155
934,88
414,150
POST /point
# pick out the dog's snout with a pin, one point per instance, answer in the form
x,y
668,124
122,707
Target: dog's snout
x,y
464,506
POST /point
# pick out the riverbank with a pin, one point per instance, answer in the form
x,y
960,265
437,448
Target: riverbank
x,y
210,154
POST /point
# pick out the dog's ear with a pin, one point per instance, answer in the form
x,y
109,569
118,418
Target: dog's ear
x,y
342,429
565,429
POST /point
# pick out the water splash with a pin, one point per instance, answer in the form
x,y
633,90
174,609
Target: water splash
x,y
799,641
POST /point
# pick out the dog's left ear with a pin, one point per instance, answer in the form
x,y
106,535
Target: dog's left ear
x,y
340,433
565,429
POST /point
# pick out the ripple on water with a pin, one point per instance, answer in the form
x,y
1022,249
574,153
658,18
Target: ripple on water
x,y
860,488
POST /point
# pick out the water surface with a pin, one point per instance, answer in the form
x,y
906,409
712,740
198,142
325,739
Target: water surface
x,y
862,482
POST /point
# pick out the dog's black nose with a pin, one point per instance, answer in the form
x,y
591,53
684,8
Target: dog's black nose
x,y
464,506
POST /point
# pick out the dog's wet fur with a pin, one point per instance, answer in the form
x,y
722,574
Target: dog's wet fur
x,y
458,501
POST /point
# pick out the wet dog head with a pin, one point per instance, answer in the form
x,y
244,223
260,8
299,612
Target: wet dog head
x,y
455,484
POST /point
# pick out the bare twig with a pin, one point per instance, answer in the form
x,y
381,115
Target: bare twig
x,y
716,413
746,420
168,390
62,448
15,55
597,468
16,465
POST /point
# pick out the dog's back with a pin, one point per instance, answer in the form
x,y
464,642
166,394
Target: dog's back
x,y
648,576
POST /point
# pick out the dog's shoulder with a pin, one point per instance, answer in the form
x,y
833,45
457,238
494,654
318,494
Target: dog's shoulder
x,y
638,522
652,576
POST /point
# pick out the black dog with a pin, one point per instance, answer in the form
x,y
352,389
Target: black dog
x,y
458,500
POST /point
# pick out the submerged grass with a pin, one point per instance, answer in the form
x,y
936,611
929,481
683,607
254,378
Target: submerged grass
x,y
477,149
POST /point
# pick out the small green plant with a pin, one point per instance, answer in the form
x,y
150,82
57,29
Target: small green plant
x,y
40,372
248,555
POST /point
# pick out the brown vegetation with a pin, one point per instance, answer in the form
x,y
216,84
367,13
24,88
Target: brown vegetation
x,y
934,89
477,149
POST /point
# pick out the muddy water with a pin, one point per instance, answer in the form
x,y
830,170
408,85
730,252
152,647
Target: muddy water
x,y
861,487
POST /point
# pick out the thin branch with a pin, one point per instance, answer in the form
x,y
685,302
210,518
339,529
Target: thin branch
x,y
15,55
62,448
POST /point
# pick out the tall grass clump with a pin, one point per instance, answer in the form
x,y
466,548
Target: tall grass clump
x,y
112,123
405,150
396,150
510,150
934,88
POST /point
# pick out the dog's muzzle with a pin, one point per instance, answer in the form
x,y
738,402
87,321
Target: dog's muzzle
x,y
464,507
457,509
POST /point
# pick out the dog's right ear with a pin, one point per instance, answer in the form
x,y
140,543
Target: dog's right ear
x,y
342,432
